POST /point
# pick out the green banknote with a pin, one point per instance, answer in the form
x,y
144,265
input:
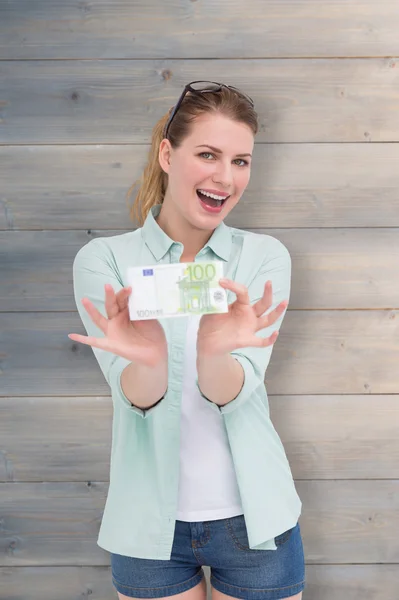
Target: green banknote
x,y
176,290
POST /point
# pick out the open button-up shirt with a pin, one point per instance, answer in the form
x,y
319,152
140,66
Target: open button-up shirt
x,y
140,511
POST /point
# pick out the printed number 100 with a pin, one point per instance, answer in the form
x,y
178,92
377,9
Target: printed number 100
x,y
199,273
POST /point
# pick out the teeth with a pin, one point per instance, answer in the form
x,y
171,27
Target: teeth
x,y
214,196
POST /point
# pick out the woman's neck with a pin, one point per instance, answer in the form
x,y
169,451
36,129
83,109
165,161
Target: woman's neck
x,y
179,230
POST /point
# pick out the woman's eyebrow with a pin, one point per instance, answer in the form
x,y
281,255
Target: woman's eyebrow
x,y
219,151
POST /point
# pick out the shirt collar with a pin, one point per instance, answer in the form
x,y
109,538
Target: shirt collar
x,y
159,242
155,238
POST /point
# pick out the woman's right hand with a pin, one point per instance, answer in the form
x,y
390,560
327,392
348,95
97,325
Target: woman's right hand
x,y
143,341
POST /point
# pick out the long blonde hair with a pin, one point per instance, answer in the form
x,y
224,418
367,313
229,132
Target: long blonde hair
x,y
154,181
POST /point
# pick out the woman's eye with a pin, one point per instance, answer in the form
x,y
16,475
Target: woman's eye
x,y
238,159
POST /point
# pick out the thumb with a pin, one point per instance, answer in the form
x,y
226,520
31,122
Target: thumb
x,y
122,297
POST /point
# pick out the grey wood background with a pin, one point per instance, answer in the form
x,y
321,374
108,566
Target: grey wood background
x,y
82,83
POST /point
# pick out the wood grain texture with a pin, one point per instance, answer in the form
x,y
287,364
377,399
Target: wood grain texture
x,y
291,186
331,268
114,101
82,84
54,524
226,29
328,437
40,583
324,582
318,352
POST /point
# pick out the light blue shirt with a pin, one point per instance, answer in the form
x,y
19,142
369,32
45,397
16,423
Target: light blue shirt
x,y
139,515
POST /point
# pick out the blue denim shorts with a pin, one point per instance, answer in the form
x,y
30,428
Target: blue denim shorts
x,y
222,545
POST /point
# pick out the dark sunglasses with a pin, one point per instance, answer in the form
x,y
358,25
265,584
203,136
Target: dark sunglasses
x,y
202,87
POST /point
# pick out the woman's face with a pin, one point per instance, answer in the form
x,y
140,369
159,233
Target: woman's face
x,y
195,166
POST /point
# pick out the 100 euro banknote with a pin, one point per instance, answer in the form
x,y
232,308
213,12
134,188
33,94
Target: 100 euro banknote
x,y
174,290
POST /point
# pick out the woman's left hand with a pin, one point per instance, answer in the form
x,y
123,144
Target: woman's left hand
x,y
220,334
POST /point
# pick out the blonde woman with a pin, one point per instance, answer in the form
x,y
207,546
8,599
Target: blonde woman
x,y
199,475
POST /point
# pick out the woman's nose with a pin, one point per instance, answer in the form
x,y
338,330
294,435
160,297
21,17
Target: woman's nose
x,y
223,175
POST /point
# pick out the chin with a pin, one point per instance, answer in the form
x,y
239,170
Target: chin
x,y
210,221
205,224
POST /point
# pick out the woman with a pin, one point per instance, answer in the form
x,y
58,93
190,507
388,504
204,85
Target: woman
x,y
199,475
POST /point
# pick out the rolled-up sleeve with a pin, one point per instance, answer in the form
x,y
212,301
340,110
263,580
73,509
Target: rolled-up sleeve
x,y
254,361
92,268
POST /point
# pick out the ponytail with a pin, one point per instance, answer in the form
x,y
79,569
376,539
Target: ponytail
x,y
153,181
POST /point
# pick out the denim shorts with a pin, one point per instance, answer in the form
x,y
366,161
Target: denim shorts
x,y
222,545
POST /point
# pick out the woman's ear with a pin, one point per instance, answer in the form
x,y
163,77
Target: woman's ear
x,y
165,155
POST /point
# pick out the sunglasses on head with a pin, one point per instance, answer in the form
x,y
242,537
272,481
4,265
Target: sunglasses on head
x,y
202,87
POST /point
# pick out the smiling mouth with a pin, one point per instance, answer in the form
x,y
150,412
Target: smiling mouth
x,y
211,201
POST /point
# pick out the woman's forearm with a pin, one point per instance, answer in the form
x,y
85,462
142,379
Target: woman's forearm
x,y
143,385
220,378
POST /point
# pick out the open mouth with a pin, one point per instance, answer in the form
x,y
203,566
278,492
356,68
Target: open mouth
x,y
211,201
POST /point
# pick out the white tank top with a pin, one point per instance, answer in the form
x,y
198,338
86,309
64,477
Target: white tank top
x,y
208,488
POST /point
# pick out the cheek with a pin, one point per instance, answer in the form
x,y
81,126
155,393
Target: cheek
x,y
243,179
193,172
182,178
202,170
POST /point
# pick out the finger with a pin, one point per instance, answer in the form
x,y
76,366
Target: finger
x,y
265,302
111,303
95,315
272,317
240,290
122,297
89,340
259,342
269,341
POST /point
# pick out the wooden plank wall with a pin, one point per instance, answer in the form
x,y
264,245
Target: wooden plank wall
x,y
81,85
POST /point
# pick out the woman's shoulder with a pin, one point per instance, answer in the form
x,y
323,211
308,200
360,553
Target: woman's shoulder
x,y
110,245
259,242
108,257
